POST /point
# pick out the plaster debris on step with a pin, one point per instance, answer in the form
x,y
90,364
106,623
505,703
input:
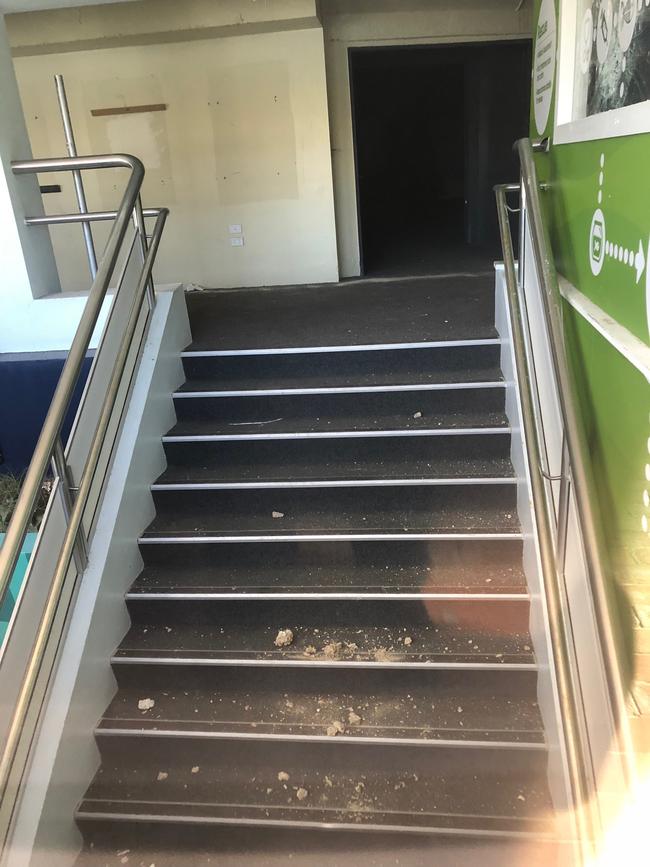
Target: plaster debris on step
x,y
146,703
353,718
283,776
284,638
408,641
301,794
162,775
194,287
336,728
417,415
310,650
332,649
195,769
277,514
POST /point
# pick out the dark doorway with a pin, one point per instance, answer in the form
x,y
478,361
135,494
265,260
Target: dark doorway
x,y
434,129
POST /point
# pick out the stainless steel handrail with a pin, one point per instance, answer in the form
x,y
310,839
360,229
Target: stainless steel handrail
x,y
53,423
574,473
49,443
573,435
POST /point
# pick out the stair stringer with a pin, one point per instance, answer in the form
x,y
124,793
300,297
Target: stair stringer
x,y
65,756
547,694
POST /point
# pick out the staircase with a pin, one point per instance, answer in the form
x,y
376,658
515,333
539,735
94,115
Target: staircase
x,y
329,659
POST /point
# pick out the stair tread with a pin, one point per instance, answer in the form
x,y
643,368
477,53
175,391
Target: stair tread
x,y
393,467
410,786
268,813
166,846
443,643
433,377
345,423
449,307
401,709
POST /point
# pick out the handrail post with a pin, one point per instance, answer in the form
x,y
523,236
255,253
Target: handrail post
x,y
78,181
138,219
62,472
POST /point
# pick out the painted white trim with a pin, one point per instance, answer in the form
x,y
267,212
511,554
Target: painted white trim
x,y
629,120
630,347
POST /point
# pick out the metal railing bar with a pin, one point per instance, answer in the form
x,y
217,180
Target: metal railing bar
x,y
90,217
582,492
106,329
138,219
76,174
26,503
559,638
62,473
30,678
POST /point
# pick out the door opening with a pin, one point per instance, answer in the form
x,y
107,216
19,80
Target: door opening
x,y
434,128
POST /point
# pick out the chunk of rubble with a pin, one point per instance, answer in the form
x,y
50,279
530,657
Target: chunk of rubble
x,y
283,776
301,794
146,703
354,719
284,638
336,728
275,514
332,649
162,775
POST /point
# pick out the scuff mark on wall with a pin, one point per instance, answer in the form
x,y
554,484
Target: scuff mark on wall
x,y
254,167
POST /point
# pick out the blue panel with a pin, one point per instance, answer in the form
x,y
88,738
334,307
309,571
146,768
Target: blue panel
x,y
26,389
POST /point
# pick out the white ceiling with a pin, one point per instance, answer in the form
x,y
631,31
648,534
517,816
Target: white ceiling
x,y
32,5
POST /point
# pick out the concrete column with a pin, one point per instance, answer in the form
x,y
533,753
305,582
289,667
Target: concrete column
x,y
27,265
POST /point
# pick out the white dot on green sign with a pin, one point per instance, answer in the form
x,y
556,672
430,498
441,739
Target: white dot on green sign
x,y
644,523
646,499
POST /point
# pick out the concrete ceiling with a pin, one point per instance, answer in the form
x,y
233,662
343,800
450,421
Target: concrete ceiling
x,y
8,6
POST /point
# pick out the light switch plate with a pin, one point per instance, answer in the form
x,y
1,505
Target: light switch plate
x,y
236,242
235,228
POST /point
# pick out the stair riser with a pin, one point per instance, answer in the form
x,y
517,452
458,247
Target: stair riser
x,y
450,508
249,767
352,408
229,370
495,618
423,686
389,457
428,565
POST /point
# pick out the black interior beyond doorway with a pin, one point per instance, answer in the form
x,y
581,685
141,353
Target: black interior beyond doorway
x,y
434,128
